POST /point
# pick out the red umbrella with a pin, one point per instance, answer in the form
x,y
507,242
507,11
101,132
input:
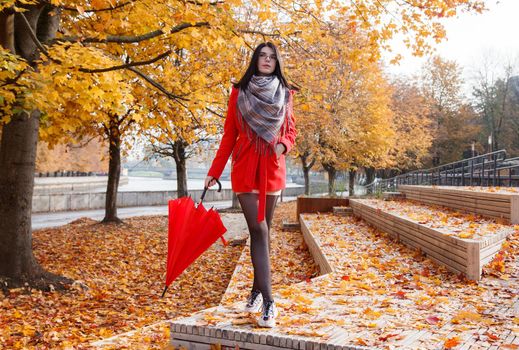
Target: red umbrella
x,y
191,231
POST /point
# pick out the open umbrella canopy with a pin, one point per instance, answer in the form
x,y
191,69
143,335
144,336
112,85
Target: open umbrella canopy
x,y
192,229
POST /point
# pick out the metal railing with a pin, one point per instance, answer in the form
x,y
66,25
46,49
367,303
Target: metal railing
x,y
68,173
491,169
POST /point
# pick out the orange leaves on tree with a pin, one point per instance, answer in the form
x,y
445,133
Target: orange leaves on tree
x,y
100,4
409,107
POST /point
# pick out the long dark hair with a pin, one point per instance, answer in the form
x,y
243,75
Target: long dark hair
x,y
253,68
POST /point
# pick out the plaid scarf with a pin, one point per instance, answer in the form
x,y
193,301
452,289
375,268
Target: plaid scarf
x,y
262,110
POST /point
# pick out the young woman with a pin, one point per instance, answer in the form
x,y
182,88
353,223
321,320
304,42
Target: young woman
x,y
259,130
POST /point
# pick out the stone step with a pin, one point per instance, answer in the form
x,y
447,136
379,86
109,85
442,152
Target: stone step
x,y
291,225
389,196
343,211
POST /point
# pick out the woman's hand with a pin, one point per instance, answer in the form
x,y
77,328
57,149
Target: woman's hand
x,y
209,182
280,149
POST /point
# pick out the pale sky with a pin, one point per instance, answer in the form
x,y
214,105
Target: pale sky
x,y
471,37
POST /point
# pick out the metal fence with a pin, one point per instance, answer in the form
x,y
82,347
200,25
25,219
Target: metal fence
x,y
491,169
68,173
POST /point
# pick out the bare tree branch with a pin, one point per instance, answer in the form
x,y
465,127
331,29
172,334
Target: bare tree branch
x,y
251,31
214,112
214,3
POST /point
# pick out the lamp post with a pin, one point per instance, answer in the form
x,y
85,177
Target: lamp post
x,y
490,143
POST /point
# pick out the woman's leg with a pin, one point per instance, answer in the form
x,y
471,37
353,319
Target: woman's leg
x,y
269,212
259,239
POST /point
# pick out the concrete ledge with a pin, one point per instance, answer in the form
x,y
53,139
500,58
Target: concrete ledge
x,y
50,185
497,205
51,202
465,256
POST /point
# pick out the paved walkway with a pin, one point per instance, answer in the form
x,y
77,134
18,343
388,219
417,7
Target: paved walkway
x,y
44,220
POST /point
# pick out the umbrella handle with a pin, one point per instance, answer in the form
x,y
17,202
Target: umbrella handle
x,y
205,190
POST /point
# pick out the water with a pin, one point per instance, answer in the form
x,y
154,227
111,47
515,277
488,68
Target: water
x,y
159,184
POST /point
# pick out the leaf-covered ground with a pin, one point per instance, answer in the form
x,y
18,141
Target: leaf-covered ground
x,y
389,296
123,267
380,293
391,290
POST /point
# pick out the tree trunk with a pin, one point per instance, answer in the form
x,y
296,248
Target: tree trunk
x,y
17,160
330,169
307,166
114,172
17,157
17,163
351,181
179,155
331,181
306,174
181,178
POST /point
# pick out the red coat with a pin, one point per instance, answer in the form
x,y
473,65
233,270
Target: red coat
x,y
249,170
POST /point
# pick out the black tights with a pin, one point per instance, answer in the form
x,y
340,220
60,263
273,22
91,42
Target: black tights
x,y
259,240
